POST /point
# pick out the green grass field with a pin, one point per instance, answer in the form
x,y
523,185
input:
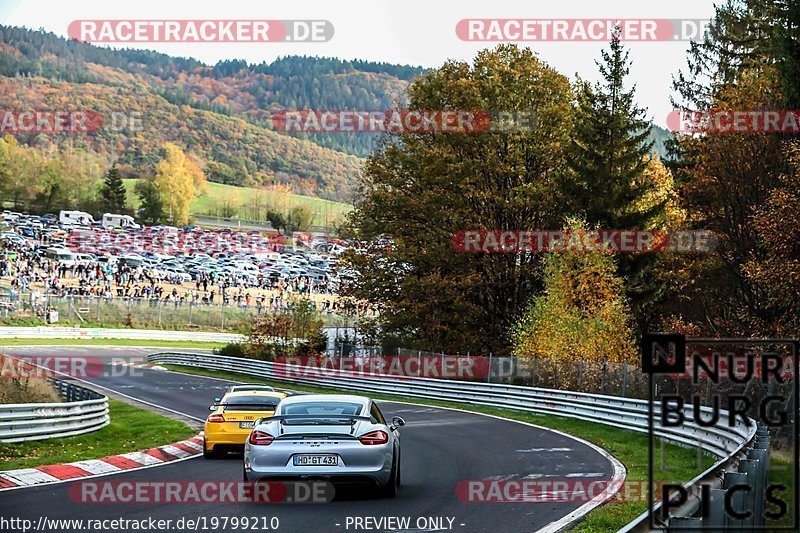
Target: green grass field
x,y
131,429
326,212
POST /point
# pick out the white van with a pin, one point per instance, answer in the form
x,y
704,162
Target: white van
x,y
62,256
112,221
80,218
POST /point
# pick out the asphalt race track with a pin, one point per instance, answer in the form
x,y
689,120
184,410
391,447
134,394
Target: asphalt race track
x,y
440,448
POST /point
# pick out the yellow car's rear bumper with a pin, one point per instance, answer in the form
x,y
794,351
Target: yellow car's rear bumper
x,y
224,435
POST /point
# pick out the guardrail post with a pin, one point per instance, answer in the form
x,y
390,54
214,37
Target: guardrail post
x,y
716,510
738,501
761,483
751,468
760,452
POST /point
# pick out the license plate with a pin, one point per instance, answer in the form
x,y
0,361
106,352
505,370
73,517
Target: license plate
x,y
247,425
316,460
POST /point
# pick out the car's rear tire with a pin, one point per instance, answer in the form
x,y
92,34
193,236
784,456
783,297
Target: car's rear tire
x,y
390,489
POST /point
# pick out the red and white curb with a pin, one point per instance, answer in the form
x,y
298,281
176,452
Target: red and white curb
x,y
40,475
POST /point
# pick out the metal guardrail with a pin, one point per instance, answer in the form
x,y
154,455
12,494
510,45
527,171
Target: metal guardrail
x,y
84,411
730,444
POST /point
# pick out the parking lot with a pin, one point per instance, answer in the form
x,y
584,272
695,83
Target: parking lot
x,y
189,266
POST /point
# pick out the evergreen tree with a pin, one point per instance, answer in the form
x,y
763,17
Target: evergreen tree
x,y
112,193
743,35
151,206
609,159
610,149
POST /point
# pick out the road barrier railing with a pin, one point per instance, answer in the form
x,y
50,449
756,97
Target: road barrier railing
x,y
729,443
83,411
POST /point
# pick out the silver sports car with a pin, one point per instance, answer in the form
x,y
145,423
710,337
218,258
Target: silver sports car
x,y
332,437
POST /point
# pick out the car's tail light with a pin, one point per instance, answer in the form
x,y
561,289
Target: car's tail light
x,y
259,438
374,437
215,418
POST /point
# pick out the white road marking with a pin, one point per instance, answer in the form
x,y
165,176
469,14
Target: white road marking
x,y
532,450
570,475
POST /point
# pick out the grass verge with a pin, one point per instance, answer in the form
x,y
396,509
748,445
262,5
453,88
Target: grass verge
x,y
630,448
111,342
781,473
131,429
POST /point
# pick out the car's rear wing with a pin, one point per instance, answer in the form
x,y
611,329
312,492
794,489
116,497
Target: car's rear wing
x,y
244,406
348,420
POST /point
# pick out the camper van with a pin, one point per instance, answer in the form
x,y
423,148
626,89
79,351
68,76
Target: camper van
x,y
111,221
77,218
62,256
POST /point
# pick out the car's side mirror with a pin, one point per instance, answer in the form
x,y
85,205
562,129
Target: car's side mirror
x,y
212,408
397,422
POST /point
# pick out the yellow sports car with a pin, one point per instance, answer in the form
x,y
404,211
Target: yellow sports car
x,y
232,418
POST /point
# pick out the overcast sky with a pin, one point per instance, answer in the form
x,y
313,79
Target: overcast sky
x,y
416,32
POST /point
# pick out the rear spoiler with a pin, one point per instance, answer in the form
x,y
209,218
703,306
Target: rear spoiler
x,y
272,405
351,419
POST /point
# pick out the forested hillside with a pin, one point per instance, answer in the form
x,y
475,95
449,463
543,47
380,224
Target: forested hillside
x,y
222,113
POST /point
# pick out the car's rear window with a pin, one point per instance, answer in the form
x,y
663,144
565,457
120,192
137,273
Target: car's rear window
x,y
321,412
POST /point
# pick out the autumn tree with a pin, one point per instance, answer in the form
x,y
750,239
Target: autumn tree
x,y
748,59
18,171
776,270
726,177
299,218
177,179
423,188
582,315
